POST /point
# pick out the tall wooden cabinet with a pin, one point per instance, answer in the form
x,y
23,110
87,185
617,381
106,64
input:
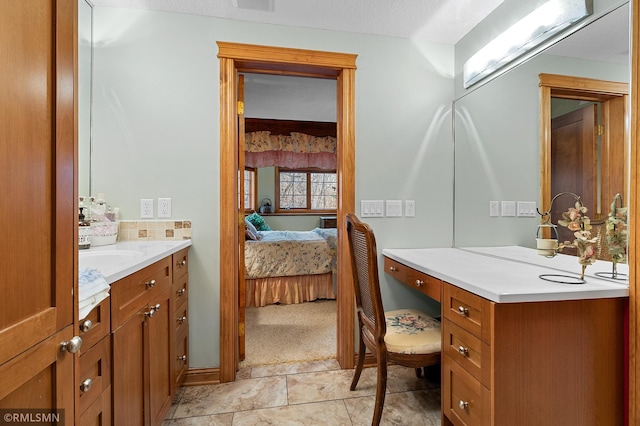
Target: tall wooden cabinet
x,y
37,169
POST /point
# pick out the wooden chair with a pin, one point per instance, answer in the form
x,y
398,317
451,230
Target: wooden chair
x,y
406,337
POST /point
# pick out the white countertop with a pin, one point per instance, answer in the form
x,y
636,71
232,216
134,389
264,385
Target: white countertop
x,y
511,274
116,261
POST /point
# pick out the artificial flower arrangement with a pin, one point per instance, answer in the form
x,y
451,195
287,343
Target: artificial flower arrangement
x,y
576,220
616,236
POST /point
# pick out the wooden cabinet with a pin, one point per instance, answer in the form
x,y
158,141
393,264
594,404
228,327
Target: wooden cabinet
x,y
181,314
410,277
94,368
37,166
551,363
142,318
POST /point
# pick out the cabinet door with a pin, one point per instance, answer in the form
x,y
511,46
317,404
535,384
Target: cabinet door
x,y
37,185
129,371
40,378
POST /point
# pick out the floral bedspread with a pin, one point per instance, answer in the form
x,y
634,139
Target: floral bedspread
x,y
288,253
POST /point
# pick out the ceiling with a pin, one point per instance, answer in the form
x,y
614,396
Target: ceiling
x,y
442,21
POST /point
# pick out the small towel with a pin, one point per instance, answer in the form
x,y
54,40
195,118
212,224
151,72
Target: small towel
x,y
92,288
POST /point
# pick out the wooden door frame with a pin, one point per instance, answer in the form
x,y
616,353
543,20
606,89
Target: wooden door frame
x,y
634,219
568,87
234,58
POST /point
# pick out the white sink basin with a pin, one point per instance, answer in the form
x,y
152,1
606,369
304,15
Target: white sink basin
x,y
107,260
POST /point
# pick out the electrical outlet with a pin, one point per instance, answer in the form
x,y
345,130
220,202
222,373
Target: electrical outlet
x,y
164,207
494,208
146,208
409,208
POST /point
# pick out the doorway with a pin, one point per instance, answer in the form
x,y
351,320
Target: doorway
x,y
590,154
236,58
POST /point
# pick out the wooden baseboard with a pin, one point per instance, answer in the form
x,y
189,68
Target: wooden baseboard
x,y
211,376
202,376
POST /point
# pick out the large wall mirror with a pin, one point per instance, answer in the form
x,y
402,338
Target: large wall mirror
x,y
497,130
85,71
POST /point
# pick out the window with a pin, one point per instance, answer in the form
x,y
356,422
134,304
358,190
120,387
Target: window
x,y
250,189
310,190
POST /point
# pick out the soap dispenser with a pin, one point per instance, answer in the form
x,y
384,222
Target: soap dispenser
x,y
84,231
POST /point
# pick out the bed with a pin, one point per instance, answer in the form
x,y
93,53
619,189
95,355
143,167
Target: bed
x,y
290,267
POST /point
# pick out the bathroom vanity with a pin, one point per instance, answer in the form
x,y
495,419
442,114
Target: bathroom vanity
x,y
135,342
517,349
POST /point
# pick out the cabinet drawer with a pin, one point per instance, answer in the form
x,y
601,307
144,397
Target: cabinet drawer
x,y
396,269
181,318
95,373
467,350
180,289
97,325
99,412
180,263
131,294
464,401
182,356
468,311
427,284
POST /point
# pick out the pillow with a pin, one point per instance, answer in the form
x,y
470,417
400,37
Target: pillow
x,y
258,222
250,231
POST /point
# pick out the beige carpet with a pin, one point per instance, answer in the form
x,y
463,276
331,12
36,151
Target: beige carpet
x,y
277,334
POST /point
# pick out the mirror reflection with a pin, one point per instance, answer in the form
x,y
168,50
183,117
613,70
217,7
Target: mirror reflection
x,y
85,60
498,131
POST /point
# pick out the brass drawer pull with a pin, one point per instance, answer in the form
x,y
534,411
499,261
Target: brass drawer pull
x,y
393,269
419,283
463,404
86,325
86,385
182,358
182,319
182,291
463,351
182,263
151,312
463,311
72,345
150,284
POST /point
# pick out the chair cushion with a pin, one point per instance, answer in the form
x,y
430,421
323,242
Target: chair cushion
x,y
410,331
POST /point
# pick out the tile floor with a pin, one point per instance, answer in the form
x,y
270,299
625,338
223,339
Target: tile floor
x,y
310,393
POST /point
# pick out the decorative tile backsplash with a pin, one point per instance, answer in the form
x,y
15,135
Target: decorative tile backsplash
x,y
132,230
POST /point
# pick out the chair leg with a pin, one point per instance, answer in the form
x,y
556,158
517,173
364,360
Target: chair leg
x,y
381,387
359,365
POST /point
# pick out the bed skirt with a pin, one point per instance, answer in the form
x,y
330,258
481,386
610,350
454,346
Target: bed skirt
x,y
288,290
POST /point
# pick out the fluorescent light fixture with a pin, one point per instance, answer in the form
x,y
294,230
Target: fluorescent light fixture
x,y
526,34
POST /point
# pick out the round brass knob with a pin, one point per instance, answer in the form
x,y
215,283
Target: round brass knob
x,y
182,291
393,269
72,345
86,325
86,385
419,283
150,283
182,319
182,358
463,311
463,351
463,404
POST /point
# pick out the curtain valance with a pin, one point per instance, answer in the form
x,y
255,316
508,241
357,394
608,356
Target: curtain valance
x,y
298,150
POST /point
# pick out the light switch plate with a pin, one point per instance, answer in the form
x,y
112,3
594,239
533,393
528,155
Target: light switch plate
x,y
527,209
371,208
508,208
394,208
